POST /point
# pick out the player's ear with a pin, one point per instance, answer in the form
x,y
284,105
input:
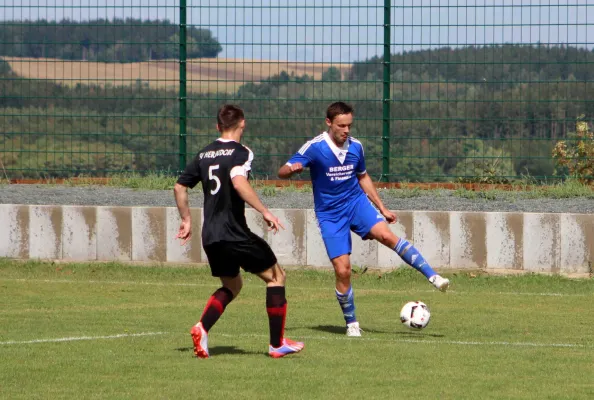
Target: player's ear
x,y
218,128
328,122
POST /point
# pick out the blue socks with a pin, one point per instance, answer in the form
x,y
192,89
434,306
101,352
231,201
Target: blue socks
x,y
409,254
412,257
347,303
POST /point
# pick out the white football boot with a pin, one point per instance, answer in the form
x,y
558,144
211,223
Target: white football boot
x,y
353,330
440,283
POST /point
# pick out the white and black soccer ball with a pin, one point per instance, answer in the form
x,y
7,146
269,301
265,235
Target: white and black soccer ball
x,y
415,315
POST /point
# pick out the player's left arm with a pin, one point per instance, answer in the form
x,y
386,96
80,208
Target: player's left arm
x,y
242,165
369,188
249,195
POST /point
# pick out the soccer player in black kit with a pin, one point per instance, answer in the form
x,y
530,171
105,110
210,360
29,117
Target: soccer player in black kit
x,y
223,168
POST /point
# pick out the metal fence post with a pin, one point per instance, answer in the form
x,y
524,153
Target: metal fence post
x,y
386,95
182,84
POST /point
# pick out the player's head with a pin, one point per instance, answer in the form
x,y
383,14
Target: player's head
x,y
230,118
339,118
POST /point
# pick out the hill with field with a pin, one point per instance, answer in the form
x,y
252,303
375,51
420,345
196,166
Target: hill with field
x,y
204,75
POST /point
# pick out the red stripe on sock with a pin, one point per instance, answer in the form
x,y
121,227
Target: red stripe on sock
x,y
276,311
279,312
213,302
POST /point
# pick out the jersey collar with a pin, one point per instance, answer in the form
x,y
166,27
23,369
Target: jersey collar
x,y
225,140
339,152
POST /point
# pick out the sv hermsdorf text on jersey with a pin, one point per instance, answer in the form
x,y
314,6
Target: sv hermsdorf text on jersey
x,y
218,153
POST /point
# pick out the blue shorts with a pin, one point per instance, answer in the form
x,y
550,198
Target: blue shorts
x,y
336,227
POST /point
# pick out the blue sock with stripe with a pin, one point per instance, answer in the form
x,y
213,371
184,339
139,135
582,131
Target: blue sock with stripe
x,y
347,304
412,257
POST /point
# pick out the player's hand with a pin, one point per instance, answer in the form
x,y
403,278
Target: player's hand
x,y
185,232
390,217
273,223
297,168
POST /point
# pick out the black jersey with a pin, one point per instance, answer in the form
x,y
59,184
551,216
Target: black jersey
x,y
224,209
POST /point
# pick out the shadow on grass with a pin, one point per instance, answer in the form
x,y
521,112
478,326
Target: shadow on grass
x,y
218,350
340,330
337,330
414,335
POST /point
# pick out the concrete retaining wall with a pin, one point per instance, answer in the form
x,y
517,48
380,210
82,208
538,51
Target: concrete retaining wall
x,y
552,243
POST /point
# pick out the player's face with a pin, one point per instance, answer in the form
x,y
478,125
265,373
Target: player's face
x,y
340,128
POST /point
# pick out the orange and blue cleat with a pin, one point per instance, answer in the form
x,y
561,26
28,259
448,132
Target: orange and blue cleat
x,y
288,346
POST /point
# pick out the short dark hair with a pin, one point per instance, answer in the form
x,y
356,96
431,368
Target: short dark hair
x,y
338,108
229,116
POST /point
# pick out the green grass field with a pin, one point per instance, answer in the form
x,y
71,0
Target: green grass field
x,y
112,331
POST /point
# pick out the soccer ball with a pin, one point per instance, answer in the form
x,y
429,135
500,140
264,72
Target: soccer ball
x,y
415,315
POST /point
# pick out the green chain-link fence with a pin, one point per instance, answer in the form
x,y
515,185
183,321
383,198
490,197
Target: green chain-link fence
x,y
443,90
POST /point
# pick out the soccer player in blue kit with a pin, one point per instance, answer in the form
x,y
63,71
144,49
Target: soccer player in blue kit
x,y
343,197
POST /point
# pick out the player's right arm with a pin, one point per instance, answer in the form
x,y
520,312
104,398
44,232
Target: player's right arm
x,y
183,206
287,171
295,165
189,178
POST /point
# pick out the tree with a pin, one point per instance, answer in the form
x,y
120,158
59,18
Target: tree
x,y
4,67
332,74
117,40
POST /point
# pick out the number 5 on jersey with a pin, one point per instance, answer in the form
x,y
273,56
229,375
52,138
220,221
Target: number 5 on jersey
x,y
215,178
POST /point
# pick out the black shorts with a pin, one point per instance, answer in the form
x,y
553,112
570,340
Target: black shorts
x,y
253,255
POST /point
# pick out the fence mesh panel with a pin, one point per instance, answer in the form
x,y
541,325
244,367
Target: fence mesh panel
x,y
443,90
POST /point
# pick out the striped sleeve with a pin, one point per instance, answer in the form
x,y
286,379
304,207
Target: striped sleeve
x,y
304,154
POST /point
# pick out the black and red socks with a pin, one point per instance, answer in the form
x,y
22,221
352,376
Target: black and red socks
x,y
215,307
276,307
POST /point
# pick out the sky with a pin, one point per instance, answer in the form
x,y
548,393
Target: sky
x,y
341,30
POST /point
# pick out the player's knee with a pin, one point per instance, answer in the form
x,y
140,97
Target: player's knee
x,y
343,272
274,276
389,239
386,237
279,275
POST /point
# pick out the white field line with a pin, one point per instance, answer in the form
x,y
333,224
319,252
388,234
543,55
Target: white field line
x,y
213,285
429,341
248,335
77,338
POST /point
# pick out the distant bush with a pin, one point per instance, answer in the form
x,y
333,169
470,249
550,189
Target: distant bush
x,y
4,67
116,40
575,155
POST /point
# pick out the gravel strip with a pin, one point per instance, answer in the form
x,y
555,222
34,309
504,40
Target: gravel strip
x,y
438,200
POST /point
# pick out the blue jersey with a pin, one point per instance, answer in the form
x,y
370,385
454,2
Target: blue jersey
x,y
333,172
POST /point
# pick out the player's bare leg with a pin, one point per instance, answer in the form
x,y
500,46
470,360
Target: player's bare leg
x,y
344,293
382,233
342,272
212,312
276,307
233,284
